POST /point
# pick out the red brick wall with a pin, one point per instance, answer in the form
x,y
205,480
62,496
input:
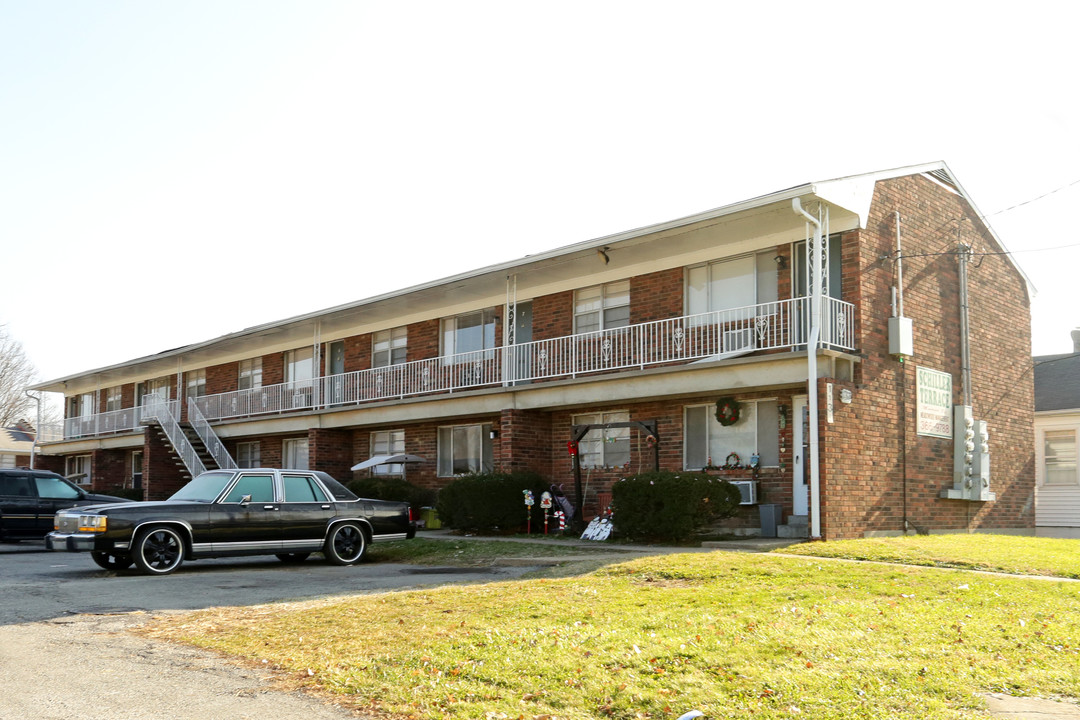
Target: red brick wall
x,y
331,451
524,441
553,315
874,467
55,463
656,296
127,395
423,340
273,370
222,378
358,352
163,474
108,469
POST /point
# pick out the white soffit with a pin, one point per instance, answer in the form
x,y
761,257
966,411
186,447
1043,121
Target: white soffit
x,y
854,194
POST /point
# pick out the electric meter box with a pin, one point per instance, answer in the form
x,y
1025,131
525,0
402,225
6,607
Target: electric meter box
x,y
901,336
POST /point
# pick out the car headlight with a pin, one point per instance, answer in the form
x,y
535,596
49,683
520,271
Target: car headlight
x,y
93,523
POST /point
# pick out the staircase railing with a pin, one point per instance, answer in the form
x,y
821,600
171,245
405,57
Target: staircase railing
x,y
213,443
154,408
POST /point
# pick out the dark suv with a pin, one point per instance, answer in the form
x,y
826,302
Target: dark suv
x,y
30,498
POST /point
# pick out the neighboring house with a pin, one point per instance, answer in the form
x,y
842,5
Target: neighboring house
x,y
1057,441
16,443
847,369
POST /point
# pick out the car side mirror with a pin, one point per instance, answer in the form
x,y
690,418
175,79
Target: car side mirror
x,y
245,500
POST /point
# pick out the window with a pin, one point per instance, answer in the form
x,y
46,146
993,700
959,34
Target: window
x,y
468,333
604,448
734,283
247,455
136,469
299,365
250,374
602,307
296,454
81,405
388,442
78,465
301,488
113,398
196,383
157,386
1059,457
757,431
388,347
464,449
53,488
259,487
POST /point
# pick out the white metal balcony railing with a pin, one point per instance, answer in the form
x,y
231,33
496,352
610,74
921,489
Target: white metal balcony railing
x,y
209,438
106,423
776,325
724,333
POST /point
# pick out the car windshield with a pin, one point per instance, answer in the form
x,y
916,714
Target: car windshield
x,y
204,488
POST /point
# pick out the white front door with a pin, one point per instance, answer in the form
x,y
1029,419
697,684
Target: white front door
x,y
800,441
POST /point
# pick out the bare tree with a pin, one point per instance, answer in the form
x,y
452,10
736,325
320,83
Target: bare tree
x,y
16,372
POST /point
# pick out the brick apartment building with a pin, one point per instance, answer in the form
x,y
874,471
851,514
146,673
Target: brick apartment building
x,y
874,404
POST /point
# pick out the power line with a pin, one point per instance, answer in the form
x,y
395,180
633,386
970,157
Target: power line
x,y
957,251
1028,202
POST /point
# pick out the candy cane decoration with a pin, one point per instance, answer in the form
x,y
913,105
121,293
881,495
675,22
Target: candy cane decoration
x,y
562,520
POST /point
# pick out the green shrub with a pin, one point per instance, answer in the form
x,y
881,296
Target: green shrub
x,y
129,493
491,501
387,488
670,506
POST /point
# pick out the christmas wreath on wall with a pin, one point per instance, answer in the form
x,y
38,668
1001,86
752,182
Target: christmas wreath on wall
x,y
727,411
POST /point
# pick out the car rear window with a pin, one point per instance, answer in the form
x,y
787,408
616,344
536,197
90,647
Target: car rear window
x,y
301,488
339,491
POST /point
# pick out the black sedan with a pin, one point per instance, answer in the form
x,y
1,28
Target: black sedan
x,y
30,498
223,513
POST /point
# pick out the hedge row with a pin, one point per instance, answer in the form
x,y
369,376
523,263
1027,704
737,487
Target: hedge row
x,y
652,506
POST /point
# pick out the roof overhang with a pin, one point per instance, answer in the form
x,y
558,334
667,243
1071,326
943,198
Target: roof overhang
x,y
767,218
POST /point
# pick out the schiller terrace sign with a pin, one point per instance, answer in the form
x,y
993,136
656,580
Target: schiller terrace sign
x,y
934,402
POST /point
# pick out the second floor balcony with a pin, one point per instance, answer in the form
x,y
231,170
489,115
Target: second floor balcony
x,y
781,325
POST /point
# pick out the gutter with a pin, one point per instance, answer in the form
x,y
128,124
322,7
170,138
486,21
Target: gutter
x,y
811,380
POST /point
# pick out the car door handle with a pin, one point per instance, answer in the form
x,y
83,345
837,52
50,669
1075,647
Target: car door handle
x,y
269,507
325,507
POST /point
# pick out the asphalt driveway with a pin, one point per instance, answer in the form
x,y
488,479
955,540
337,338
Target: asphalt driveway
x,y
65,649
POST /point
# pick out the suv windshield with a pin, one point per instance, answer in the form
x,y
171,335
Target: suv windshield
x,y
204,488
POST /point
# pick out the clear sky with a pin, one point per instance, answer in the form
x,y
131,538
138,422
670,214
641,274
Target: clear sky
x,y
171,172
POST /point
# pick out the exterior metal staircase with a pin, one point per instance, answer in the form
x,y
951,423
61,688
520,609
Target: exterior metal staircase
x,y
194,444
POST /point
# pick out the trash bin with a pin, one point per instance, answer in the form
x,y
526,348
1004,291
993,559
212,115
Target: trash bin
x,y
430,518
771,518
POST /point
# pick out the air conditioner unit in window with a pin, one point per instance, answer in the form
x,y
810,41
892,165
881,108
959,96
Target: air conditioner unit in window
x,y
748,490
738,340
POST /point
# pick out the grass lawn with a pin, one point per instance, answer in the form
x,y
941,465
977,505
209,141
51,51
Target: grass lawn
x,y
470,552
734,635
996,553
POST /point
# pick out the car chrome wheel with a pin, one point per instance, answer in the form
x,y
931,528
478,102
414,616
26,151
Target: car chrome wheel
x,y
346,544
159,551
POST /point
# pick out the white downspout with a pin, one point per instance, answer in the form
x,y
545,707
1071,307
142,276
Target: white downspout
x,y
811,361
37,429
